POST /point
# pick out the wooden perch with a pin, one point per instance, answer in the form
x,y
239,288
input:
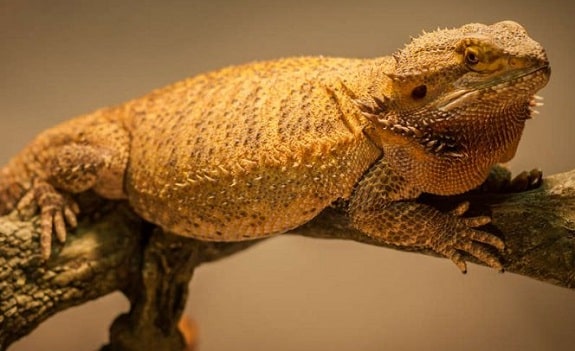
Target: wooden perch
x,y
114,250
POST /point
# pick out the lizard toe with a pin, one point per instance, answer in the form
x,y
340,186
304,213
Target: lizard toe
x,y
57,210
474,222
54,219
459,237
500,180
51,223
70,216
457,259
46,234
469,245
27,206
526,181
59,226
460,209
484,238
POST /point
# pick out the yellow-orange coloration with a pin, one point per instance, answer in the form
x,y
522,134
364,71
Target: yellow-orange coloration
x,y
255,150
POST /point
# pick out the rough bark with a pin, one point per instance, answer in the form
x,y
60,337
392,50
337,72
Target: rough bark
x,y
114,250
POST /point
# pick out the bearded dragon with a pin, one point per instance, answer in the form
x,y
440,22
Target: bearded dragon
x,y
255,150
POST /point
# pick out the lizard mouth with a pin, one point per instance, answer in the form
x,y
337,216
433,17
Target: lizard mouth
x,y
517,82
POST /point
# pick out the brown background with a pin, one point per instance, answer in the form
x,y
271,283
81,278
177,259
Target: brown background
x,y
63,58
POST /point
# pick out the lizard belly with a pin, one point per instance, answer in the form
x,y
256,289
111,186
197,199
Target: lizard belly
x,y
251,201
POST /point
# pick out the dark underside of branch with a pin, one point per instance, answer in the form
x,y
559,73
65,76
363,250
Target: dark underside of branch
x,y
114,250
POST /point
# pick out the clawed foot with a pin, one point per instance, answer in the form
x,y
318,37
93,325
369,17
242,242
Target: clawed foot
x,y
500,181
56,211
461,237
526,181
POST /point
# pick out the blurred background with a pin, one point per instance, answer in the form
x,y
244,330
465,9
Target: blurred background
x,y
60,58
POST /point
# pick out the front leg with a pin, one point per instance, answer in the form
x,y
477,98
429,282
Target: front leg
x,y
383,206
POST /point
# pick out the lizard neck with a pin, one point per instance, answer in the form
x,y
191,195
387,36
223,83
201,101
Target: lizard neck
x,y
369,79
486,141
440,152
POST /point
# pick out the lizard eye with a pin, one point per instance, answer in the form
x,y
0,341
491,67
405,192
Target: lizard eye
x,y
472,56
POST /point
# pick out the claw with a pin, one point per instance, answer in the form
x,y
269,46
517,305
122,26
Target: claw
x,y
473,247
459,261
464,239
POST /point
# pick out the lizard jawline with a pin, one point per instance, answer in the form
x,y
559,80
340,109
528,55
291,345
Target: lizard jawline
x,y
461,96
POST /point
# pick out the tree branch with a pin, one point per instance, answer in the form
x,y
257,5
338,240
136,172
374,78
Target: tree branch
x,y
114,250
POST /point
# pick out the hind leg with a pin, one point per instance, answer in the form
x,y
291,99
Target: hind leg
x,y
78,156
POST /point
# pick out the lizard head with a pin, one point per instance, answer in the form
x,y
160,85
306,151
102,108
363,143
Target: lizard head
x,y
456,101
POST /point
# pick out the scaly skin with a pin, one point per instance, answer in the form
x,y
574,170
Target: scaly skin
x,y
255,150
